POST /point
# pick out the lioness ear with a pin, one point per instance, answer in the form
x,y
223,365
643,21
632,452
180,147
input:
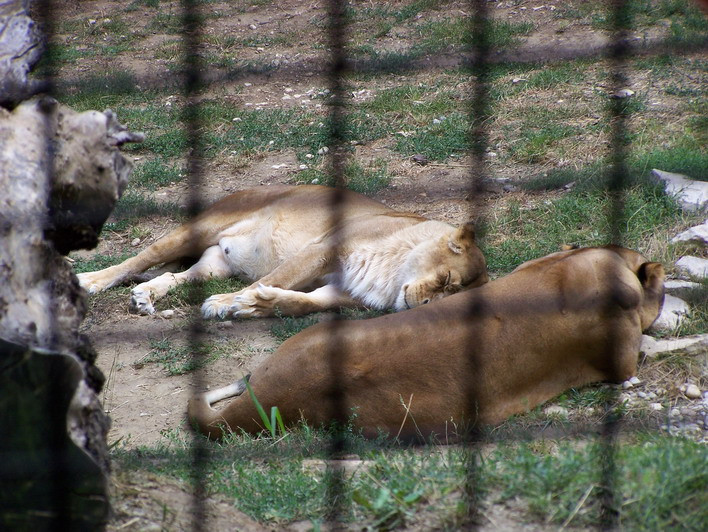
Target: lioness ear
x,y
651,275
462,238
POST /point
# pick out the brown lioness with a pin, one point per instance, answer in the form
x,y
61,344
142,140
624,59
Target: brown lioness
x,y
565,320
282,238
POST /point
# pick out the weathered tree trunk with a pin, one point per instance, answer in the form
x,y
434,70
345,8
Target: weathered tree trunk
x,y
61,173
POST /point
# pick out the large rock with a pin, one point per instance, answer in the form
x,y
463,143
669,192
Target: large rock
x,y
693,266
691,194
680,288
698,233
61,173
691,345
672,314
20,49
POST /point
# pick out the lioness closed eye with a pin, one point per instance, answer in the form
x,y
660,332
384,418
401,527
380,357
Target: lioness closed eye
x,y
282,238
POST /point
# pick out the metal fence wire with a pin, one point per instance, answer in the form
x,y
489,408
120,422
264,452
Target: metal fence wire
x,y
477,59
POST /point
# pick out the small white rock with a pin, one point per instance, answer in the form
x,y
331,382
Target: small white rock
x,y
656,406
679,288
135,242
167,314
692,391
697,233
691,194
555,410
635,380
303,167
627,384
693,266
675,412
623,93
323,150
672,313
315,181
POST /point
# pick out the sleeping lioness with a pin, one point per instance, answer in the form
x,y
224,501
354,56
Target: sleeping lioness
x,y
565,320
282,238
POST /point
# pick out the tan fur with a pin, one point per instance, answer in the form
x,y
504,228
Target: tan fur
x,y
562,321
283,239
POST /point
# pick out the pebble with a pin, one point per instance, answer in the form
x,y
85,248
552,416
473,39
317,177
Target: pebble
x,y
167,314
623,93
135,242
692,391
555,410
656,406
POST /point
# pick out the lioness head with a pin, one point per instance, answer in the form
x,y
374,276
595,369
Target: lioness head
x,y
441,267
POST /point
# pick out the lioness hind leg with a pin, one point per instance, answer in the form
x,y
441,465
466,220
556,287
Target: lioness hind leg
x,y
262,301
212,264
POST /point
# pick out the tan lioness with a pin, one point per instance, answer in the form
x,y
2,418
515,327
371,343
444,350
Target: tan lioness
x,y
282,238
565,320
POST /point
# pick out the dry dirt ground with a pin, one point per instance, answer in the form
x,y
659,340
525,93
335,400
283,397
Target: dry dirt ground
x,y
143,402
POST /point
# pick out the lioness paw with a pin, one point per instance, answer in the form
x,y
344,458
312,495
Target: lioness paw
x,y
217,306
91,282
140,301
256,302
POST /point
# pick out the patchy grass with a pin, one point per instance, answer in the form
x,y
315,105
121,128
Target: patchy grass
x,y
177,359
660,481
98,262
291,325
365,180
194,293
157,173
523,230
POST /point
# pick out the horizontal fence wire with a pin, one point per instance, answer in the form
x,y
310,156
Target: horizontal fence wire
x,y
476,60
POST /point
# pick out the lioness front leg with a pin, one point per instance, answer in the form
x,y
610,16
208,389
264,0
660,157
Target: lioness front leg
x,y
304,268
263,301
211,265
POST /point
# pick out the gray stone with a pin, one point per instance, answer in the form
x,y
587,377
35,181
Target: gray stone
x,y
680,288
692,391
688,344
20,49
693,266
691,194
672,314
556,411
697,233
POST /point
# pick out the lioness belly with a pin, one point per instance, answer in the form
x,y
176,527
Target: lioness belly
x,y
254,248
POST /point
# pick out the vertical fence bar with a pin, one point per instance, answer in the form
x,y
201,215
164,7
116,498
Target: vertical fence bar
x,y
617,182
477,66
191,119
59,467
337,35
